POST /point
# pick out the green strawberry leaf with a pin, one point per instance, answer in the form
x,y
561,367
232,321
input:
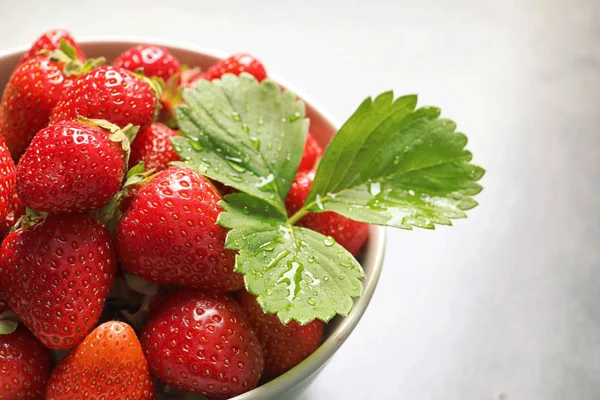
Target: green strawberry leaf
x,y
245,134
392,164
296,273
68,49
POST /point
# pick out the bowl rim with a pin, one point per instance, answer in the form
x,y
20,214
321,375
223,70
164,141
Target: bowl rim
x,y
376,245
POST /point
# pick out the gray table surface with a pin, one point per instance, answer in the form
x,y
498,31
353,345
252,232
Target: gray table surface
x,y
502,305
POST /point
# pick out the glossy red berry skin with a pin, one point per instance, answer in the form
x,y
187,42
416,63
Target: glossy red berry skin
x,y
51,41
109,364
169,234
31,94
70,167
350,234
24,366
285,346
15,211
236,64
312,153
153,147
203,343
7,181
109,93
56,275
154,61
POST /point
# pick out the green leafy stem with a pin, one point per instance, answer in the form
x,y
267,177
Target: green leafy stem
x,y
390,164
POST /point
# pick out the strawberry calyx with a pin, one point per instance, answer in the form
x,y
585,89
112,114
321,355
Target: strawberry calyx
x,y
171,97
29,219
72,65
124,136
153,82
190,75
155,86
172,93
112,212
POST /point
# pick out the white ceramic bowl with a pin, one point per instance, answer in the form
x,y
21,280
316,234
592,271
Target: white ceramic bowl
x,y
323,127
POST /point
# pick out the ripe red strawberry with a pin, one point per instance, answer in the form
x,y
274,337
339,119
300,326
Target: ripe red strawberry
x,y
285,346
108,364
51,41
15,211
236,64
109,93
72,166
30,95
348,233
312,152
155,61
7,180
152,146
169,234
202,343
24,366
56,274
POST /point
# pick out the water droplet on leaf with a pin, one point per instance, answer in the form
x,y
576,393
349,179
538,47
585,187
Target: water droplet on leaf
x,y
294,117
374,188
196,145
235,177
329,241
255,142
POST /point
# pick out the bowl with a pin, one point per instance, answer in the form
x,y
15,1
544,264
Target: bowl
x,y
290,385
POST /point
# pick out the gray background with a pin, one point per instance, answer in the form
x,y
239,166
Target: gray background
x,y
503,305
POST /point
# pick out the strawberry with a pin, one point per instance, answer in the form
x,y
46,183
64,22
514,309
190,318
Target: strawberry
x,y
30,95
7,181
72,166
153,147
312,152
348,233
24,366
15,211
109,93
154,61
51,41
169,234
56,274
285,346
236,64
108,364
202,343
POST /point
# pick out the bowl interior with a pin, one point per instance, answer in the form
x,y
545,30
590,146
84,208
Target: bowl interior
x,y
323,127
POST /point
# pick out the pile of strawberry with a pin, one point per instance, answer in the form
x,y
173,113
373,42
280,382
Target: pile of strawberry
x,y
117,285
